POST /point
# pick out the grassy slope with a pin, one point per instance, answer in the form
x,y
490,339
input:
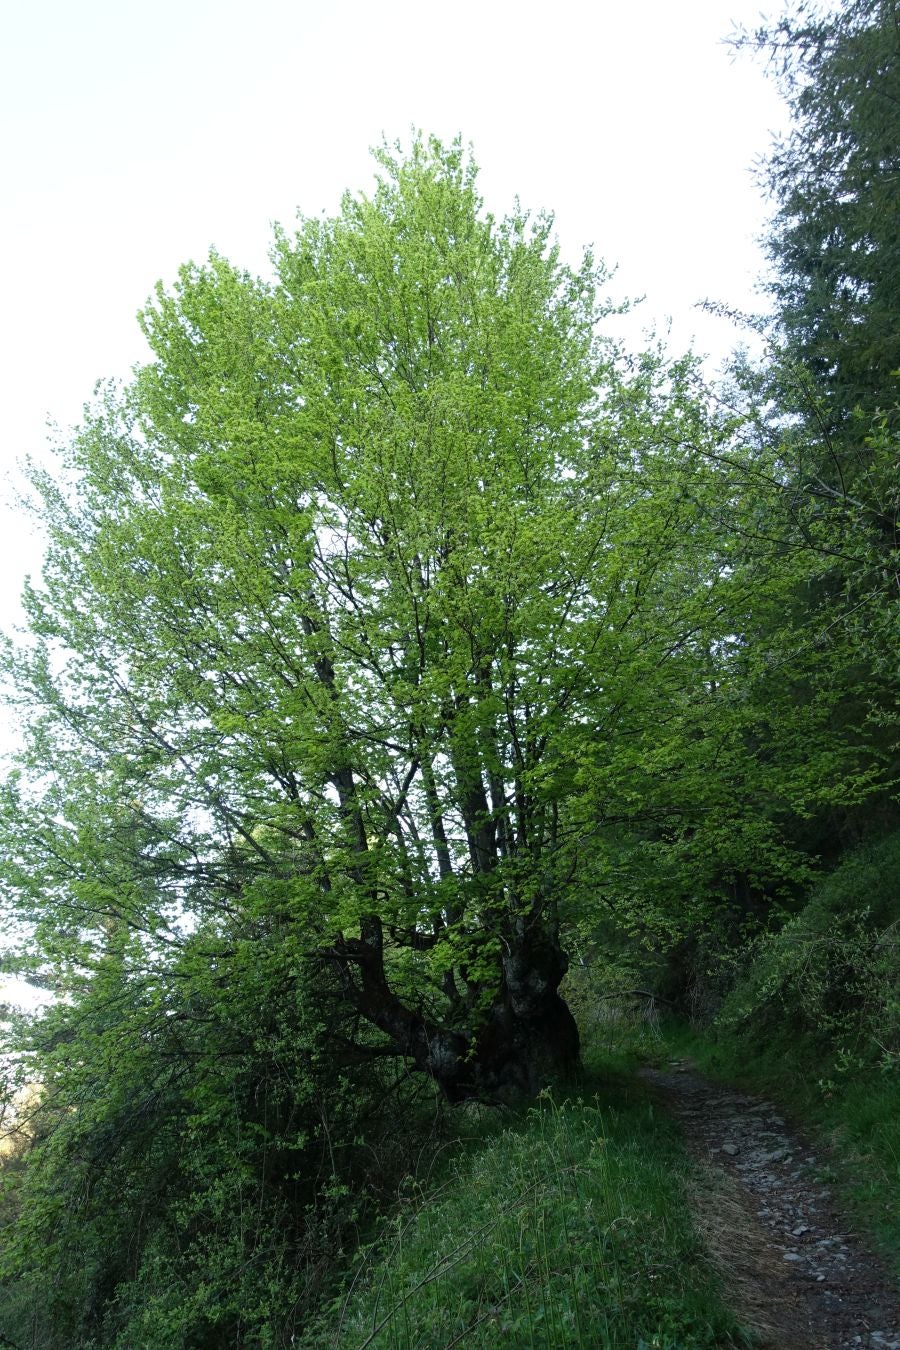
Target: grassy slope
x,y
566,1227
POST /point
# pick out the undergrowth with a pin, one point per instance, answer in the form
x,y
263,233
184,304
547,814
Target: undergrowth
x,y
568,1227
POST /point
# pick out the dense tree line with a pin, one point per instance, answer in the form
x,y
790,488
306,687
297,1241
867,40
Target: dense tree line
x,y
398,632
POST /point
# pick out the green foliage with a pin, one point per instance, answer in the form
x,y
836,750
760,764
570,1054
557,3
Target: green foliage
x,y
835,241
832,973
818,444
204,1150
568,1228
363,606
396,631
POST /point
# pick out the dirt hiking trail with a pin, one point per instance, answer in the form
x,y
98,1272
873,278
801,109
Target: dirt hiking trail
x,y
793,1269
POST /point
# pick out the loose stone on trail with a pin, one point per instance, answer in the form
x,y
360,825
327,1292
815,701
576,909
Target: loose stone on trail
x,y
822,1290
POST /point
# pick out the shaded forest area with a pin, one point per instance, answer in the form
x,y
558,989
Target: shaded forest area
x,y
413,669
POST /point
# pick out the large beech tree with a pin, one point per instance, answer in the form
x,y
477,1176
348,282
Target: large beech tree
x,y
354,600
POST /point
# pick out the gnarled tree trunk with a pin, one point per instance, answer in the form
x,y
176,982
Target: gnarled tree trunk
x,y
527,1038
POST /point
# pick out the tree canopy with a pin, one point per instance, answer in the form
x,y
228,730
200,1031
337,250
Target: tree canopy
x,y
354,598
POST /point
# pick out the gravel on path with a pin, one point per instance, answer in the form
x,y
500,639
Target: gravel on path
x,y
798,1274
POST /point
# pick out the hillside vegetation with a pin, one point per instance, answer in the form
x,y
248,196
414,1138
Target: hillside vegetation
x,y
417,680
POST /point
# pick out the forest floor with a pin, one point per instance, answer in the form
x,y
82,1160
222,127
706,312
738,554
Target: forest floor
x,y
795,1271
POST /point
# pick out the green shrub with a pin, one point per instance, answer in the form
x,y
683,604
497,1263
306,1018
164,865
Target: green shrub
x,y
832,973
204,1155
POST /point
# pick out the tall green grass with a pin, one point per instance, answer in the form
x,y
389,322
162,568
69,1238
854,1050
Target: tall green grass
x,y
568,1229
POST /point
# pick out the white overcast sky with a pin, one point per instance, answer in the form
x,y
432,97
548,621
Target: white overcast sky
x,y
137,135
